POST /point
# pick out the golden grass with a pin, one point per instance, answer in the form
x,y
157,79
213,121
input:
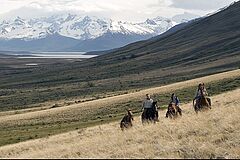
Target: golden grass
x,y
72,112
211,134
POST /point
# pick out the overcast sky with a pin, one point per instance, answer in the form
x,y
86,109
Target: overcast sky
x,y
126,10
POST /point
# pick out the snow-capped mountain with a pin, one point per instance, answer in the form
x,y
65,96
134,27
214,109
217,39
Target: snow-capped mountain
x,y
70,32
78,27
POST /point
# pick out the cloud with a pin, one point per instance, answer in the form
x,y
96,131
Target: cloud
x,y
201,4
130,10
121,10
160,3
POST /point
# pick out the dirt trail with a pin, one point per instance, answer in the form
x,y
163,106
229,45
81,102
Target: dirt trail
x,y
211,134
73,110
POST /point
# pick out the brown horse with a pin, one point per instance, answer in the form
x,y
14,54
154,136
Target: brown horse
x,y
202,104
126,122
172,111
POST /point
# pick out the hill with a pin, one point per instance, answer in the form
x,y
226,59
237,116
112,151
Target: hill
x,y
206,46
205,41
211,134
21,125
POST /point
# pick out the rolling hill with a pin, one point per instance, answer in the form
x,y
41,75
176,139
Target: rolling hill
x,y
206,46
60,109
38,122
211,134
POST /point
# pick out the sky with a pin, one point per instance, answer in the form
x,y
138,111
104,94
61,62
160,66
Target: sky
x,y
124,10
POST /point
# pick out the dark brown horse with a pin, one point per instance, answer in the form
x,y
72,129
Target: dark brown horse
x,y
150,114
126,122
202,104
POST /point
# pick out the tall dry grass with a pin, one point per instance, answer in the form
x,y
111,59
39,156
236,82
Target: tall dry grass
x,y
72,112
211,134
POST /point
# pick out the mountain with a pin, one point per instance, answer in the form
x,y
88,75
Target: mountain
x,y
204,40
185,17
205,46
168,32
51,42
108,41
76,33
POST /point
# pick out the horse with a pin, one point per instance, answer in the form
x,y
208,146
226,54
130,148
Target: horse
x,y
172,111
150,114
126,121
202,104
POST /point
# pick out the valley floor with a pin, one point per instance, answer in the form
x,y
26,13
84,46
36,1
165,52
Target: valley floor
x,y
211,134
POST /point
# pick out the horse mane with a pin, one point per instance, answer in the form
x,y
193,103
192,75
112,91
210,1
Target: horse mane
x,y
201,90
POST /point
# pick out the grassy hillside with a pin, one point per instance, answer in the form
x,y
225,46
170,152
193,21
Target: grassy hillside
x,y
204,47
21,125
211,134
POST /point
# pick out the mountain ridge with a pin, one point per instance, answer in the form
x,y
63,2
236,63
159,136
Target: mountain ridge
x,y
84,33
78,27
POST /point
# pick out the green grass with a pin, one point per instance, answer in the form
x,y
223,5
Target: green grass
x,y
11,135
19,133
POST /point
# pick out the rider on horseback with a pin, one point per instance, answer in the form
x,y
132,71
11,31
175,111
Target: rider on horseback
x,y
208,99
175,100
126,122
147,104
200,93
150,110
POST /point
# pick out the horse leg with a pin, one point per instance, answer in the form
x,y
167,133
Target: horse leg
x,y
209,102
130,124
167,114
153,116
196,108
171,115
156,116
143,118
122,126
180,111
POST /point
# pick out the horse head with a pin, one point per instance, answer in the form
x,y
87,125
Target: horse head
x,y
130,114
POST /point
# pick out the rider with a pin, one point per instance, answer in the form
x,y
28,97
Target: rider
x,y
206,94
198,92
147,104
175,100
201,92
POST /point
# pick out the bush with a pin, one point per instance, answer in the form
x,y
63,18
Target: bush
x,y
90,84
